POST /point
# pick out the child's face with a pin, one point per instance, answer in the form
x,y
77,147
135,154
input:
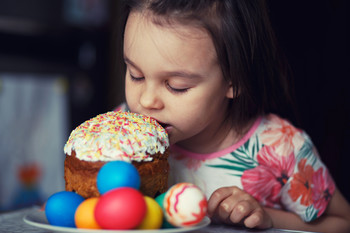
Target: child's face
x,y
173,76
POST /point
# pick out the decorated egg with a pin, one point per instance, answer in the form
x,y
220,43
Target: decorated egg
x,y
117,174
85,214
160,200
121,208
154,215
185,205
60,208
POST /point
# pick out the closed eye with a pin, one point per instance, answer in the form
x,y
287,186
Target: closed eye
x,y
168,86
176,90
136,79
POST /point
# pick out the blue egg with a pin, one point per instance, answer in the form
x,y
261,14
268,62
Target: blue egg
x,y
60,208
117,174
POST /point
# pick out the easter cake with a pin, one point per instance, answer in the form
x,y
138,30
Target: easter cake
x,y
113,136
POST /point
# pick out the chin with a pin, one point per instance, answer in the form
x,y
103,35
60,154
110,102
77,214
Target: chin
x,y
171,141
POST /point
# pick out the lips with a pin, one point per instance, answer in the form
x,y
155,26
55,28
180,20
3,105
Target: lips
x,y
167,127
164,125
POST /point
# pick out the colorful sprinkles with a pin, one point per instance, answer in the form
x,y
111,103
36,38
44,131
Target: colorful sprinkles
x,y
118,135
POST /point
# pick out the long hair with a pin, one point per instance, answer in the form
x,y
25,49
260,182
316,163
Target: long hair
x,y
246,49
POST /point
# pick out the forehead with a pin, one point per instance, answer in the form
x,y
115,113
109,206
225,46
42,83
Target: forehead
x,y
148,21
171,40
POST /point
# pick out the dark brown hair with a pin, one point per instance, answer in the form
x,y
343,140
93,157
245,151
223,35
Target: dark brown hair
x,y
245,45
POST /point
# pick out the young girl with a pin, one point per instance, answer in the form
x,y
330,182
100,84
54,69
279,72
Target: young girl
x,y
210,73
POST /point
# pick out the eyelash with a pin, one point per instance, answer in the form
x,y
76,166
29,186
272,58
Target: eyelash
x,y
174,90
136,79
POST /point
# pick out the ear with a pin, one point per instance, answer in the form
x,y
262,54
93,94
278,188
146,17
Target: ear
x,y
229,93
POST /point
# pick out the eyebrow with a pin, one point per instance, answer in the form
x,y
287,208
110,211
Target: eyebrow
x,y
177,73
128,61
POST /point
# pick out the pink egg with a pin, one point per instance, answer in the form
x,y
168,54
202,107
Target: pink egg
x,y
185,205
121,208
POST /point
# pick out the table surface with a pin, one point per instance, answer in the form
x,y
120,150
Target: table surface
x,y
12,222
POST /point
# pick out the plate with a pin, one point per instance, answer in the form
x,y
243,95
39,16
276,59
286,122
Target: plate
x,y
38,219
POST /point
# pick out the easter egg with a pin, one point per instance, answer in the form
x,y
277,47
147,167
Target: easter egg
x,y
121,208
85,214
60,208
185,205
160,200
154,215
117,174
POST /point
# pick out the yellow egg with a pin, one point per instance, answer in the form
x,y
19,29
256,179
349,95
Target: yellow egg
x,y
154,215
84,215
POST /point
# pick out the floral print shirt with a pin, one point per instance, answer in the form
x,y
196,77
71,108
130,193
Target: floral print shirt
x,y
274,162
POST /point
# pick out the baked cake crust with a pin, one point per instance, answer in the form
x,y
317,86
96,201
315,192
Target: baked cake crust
x,y
80,176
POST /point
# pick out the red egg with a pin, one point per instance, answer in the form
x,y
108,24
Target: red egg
x,y
121,208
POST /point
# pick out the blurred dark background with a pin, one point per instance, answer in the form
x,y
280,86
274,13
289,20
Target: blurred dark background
x,y
70,37
76,39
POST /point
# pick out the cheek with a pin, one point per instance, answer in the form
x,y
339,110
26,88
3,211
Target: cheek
x,y
130,93
203,108
189,116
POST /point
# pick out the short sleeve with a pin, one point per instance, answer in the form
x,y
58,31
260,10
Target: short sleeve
x,y
310,187
289,173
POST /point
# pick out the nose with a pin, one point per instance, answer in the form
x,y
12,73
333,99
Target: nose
x,y
150,99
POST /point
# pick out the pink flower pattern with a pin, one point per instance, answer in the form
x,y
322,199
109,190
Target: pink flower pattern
x,y
281,135
265,181
323,187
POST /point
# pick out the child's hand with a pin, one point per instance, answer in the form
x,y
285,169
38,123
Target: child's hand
x,y
231,205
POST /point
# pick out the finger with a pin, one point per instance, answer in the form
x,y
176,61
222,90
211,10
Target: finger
x,y
241,211
216,198
257,220
225,208
254,220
